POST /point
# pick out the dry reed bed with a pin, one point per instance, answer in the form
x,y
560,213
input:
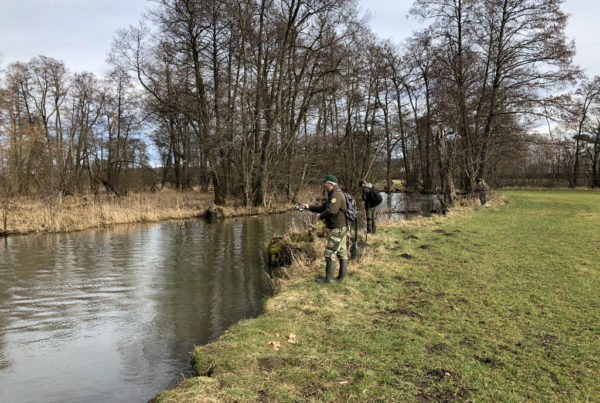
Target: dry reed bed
x,y
74,213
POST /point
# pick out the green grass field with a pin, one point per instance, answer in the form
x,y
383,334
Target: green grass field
x,y
495,304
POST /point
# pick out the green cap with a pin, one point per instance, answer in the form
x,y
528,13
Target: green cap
x,y
330,178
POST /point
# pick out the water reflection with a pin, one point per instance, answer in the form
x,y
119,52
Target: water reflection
x,y
402,206
111,315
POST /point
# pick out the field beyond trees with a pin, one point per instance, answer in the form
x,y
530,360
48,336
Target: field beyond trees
x,y
491,304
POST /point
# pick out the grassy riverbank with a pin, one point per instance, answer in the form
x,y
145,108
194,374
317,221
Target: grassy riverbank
x,y
59,213
493,304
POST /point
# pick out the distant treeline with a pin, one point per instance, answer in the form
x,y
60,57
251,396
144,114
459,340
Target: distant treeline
x,y
245,97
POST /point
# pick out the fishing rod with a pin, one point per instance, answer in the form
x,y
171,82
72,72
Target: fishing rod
x,y
354,249
296,202
309,218
287,196
353,240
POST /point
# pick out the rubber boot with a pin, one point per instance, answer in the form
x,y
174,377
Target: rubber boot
x,y
343,270
369,226
329,269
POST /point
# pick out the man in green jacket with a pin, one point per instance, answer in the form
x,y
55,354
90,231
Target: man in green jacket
x,y
332,211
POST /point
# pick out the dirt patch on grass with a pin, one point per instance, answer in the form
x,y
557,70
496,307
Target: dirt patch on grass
x,y
439,348
413,237
404,312
434,384
439,374
424,247
270,363
413,283
314,390
548,340
406,256
443,232
551,375
491,361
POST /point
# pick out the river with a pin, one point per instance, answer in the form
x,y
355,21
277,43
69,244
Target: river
x,y
111,315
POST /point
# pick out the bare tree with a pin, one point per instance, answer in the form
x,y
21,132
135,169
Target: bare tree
x,y
503,58
589,99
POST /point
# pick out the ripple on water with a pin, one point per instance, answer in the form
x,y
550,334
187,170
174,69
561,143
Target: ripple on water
x,y
112,315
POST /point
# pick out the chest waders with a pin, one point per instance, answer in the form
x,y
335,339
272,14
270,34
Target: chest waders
x,y
336,247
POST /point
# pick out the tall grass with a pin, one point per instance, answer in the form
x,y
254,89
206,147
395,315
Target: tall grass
x,y
59,213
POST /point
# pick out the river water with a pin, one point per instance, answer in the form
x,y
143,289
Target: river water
x,y
111,315
402,206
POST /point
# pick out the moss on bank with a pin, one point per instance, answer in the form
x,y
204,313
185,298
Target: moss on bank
x,y
491,304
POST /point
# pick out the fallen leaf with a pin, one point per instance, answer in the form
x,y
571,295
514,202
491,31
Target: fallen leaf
x,y
274,345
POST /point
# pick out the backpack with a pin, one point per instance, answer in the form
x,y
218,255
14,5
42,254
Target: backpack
x,y
375,197
350,212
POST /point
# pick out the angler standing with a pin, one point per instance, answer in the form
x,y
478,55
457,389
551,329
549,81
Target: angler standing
x,y
481,187
372,199
333,212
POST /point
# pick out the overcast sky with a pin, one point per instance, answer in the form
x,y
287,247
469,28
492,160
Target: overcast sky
x,y
80,32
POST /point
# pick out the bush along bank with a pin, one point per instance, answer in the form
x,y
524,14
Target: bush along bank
x,y
496,303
